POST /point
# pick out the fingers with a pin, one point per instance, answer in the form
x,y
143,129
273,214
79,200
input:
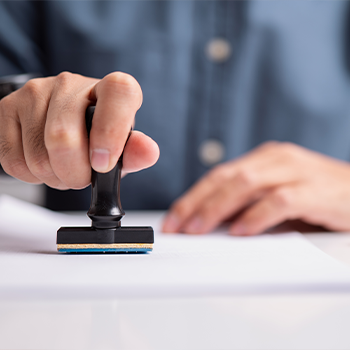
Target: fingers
x,y
140,152
186,206
11,148
278,205
230,187
32,110
45,138
65,133
118,96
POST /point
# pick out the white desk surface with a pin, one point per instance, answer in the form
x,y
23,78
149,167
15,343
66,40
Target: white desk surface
x,y
317,320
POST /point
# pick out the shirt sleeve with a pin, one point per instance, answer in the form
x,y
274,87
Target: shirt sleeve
x,y
21,37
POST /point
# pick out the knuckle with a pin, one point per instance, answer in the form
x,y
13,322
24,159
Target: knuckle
x,y
65,96
33,89
60,138
220,174
270,145
124,83
283,151
246,178
119,78
7,106
107,132
282,198
290,149
182,209
64,78
270,148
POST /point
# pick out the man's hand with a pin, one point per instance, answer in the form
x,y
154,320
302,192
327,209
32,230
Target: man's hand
x,y
43,137
271,184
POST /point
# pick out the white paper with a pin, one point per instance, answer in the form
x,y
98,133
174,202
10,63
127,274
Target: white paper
x,y
213,264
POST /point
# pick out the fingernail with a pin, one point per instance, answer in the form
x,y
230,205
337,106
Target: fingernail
x,y
171,223
194,225
100,159
238,230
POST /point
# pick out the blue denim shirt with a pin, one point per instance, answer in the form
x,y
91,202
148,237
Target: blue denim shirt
x,y
285,79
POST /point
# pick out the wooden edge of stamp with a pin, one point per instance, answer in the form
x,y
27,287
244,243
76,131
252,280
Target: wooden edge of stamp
x,y
106,246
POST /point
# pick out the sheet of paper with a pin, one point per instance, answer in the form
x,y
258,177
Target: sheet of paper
x,y
214,264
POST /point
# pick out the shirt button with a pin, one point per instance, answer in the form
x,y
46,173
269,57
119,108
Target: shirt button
x,y
218,50
211,152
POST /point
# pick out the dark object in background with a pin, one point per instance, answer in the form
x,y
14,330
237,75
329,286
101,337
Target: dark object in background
x,y
105,233
67,200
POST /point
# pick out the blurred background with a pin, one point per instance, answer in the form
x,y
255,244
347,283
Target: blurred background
x,y
21,190
219,78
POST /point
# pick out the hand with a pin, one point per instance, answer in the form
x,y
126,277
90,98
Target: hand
x,y
271,184
43,137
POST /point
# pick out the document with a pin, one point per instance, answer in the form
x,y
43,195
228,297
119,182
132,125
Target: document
x,y
180,265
